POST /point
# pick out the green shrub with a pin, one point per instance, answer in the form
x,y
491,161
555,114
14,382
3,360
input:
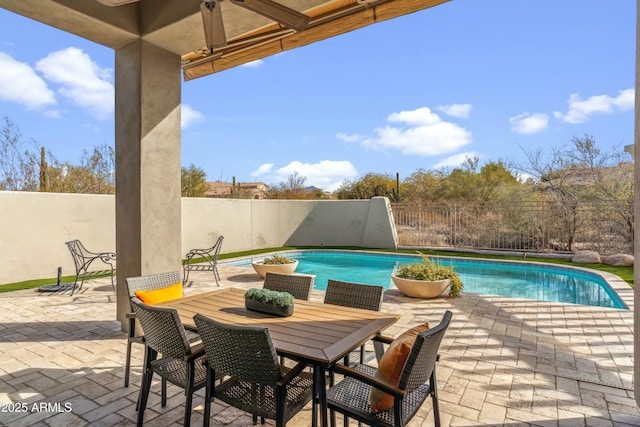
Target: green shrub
x,y
432,271
269,297
277,259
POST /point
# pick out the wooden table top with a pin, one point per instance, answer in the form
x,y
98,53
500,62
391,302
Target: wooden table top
x,y
317,332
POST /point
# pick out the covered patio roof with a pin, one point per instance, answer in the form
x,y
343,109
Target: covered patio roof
x,y
176,26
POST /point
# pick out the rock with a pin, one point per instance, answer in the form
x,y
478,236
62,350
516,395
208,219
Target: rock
x,y
586,257
618,260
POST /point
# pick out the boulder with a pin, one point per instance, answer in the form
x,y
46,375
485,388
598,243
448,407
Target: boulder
x,y
586,257
618,260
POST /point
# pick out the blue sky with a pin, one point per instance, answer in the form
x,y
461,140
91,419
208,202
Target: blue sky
x,y
488,78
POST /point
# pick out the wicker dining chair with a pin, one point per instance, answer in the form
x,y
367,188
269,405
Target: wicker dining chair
x,y
181,363
146,283
352,396
298,285
252,378
356,295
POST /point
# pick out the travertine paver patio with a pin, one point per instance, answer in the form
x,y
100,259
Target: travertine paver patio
x,y
504,361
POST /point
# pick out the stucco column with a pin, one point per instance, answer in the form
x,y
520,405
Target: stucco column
x,y
636,215
148,238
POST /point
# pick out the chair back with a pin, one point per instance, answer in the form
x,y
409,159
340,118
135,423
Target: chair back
x,y
216,249
151,282
298,285
423,356
244,352
163,330
76,249
356,295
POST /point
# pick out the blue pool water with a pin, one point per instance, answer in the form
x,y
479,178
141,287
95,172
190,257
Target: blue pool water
x,y
512,279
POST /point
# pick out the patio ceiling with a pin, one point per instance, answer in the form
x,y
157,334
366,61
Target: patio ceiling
x,y
176,25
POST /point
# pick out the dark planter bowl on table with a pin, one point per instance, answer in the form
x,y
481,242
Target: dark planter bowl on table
x,y
264,307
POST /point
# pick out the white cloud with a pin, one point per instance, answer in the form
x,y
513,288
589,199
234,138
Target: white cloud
x,y
580,110
262,170
326,174
529,123
456,110
350,138
81,80
19,83
455,161
253,64
418,132
189,116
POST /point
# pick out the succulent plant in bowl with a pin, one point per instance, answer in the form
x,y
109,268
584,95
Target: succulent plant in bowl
x,y
429,270
275,264
277,259
268,301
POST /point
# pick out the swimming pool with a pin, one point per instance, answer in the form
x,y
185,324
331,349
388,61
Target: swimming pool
x,y
545,282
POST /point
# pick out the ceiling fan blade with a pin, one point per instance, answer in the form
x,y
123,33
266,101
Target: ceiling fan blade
x,y
213,26
277,12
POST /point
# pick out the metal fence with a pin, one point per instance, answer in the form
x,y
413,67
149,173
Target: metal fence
x,y
604,226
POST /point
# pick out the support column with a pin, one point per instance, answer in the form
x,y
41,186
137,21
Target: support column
x,y
147,116
636,215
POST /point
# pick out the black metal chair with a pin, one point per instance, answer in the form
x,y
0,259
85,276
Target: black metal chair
x,y
83,260
146,283
181,363
209,261
298,285
252,378
356,295
351,396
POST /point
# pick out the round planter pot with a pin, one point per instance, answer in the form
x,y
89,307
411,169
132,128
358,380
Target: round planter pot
x,y
420,288
262,269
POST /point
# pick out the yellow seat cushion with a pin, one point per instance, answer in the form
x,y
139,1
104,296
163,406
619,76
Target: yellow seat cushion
x,y
391,364
157,296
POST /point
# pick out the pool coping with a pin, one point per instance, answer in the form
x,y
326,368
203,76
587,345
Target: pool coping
x,y
615,283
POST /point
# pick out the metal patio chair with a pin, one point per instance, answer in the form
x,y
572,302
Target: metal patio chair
x,y
352,396
84,259
209,261
253,380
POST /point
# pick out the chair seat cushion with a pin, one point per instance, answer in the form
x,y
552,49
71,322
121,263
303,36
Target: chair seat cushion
x,y
157,296
391,364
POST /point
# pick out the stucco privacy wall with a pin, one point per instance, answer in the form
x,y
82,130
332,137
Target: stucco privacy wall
x,y
34,227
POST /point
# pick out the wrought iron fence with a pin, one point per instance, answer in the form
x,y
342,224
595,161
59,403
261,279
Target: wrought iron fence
x,y
605,226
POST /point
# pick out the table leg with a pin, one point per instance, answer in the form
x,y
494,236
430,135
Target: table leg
x,y
319,397
322,396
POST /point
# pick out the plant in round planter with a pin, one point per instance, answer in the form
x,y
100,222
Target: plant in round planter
x,y
427,279
275,264
268,301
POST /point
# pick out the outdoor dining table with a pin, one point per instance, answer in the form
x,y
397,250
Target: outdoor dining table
x,y
317,333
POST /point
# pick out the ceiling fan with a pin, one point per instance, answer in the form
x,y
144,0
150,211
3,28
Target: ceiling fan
x,y
212,16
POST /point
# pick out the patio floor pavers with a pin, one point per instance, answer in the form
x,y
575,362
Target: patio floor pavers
x,y
504,361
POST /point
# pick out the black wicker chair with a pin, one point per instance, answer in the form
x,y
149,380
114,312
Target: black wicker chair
x,y
298,285
357,295
181,363
147,283
209,261
351,396
253,380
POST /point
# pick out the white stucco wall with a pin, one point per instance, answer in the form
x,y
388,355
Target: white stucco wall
x,y
35,226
